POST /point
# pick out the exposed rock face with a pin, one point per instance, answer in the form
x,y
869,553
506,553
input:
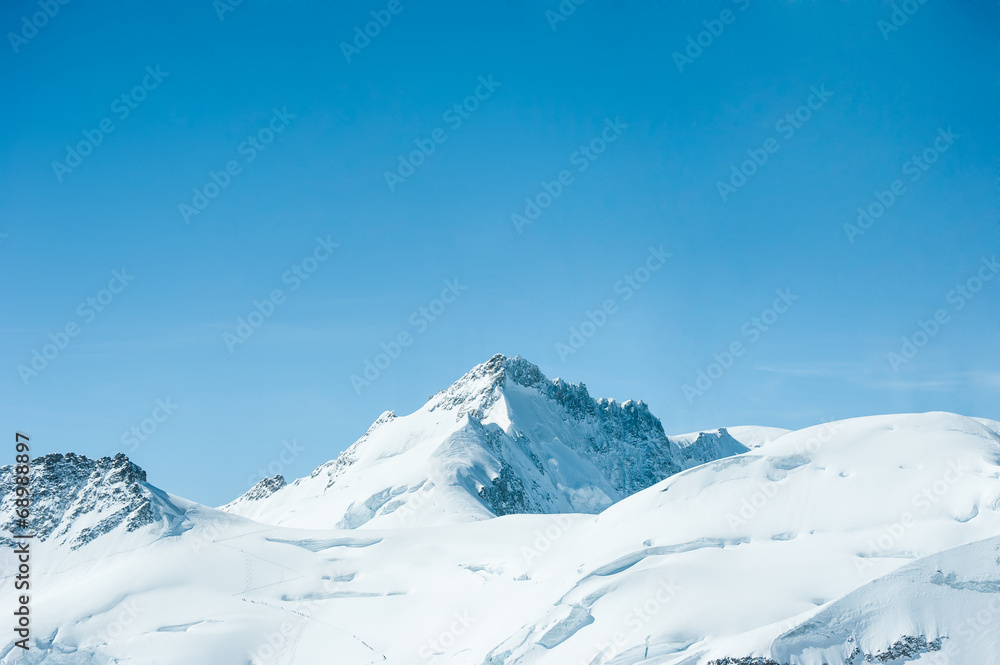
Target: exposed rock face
x,y
501,440
907,648
264,488
76,500
623,439
709,446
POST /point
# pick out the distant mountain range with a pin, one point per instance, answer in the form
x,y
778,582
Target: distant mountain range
x,y
515,519
501,440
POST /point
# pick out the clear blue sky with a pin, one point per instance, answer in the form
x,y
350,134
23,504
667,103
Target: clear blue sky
x,y
886,95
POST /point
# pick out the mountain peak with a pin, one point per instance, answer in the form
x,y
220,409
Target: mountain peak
x,y
264,488
517,369
500,367
482,386
501,439
76,499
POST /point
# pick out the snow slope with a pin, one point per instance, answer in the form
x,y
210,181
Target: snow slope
x,y
879,534
943,607
758,543
76,500
501,440
754,436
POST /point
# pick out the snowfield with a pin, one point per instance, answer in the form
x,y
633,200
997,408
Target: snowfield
x,y
502,440
515,520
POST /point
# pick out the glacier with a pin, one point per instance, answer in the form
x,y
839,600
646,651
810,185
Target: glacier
x,y
515,520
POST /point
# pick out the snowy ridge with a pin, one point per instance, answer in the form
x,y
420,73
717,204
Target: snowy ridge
x,y
699,447
264,488
501,440
76,500
753,436
866,540
943,602
749,549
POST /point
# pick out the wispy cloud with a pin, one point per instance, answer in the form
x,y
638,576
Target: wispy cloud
x,y
870,377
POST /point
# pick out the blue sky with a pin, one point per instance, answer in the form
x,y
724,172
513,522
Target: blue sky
x,y
641,139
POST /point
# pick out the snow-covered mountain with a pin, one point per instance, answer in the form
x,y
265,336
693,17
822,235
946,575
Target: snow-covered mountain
x,y
753,436
953,596
76,500
866,540
759,545
501,440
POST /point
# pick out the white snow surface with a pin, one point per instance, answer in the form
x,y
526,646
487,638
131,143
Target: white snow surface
x,y
755,436
851,539
503,439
